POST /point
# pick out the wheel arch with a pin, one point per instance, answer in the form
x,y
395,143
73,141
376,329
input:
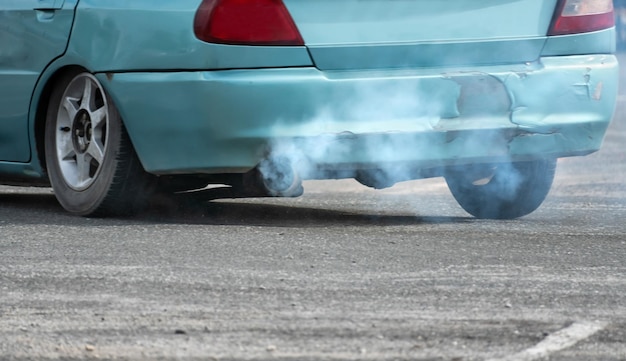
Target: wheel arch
x,y
41,111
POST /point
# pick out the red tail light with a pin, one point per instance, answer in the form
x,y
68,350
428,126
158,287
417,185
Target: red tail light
x,y
246,22
581,16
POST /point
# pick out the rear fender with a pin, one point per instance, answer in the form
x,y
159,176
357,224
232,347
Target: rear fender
x,y
147,35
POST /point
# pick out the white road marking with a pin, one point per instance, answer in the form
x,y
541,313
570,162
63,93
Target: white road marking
x,y
557,341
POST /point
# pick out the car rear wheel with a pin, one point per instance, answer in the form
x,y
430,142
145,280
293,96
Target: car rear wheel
x,y
504,190
91,163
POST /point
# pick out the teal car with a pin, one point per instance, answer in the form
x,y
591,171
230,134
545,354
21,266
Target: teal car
x,y
110,102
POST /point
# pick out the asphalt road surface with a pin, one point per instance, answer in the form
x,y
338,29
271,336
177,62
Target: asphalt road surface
x,y
342,273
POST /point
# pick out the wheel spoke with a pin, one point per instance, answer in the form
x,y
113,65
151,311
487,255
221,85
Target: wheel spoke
x,y
98,116
71,107
86,101
82,168
96,151
65,147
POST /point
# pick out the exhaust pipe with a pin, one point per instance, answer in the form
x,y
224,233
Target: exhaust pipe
x,y
275,176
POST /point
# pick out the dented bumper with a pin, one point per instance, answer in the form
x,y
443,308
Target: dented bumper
x,y
227,121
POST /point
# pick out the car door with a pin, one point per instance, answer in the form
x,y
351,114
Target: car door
x,y
32,34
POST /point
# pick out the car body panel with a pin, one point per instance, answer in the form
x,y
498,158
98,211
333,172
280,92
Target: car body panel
x,y
346,22
32,33
192,122
126,39
33,171
597,42
353,34
432,54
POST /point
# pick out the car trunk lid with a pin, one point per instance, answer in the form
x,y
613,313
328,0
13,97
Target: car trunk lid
x,y
375,34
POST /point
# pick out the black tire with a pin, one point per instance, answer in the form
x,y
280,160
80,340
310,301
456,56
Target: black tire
x,y
504,190
90,160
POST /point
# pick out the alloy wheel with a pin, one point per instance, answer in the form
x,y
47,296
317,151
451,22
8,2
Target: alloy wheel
x,y
81,131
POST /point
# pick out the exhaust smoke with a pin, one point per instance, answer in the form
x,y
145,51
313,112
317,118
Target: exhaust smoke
x,y
399,131
279,178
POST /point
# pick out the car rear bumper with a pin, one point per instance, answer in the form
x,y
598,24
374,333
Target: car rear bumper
x,y
228,121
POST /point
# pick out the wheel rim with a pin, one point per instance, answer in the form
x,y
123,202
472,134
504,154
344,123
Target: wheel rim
x,y
81,131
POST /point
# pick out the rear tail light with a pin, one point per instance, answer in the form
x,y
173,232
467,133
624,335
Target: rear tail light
x,y
246,22
581,16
